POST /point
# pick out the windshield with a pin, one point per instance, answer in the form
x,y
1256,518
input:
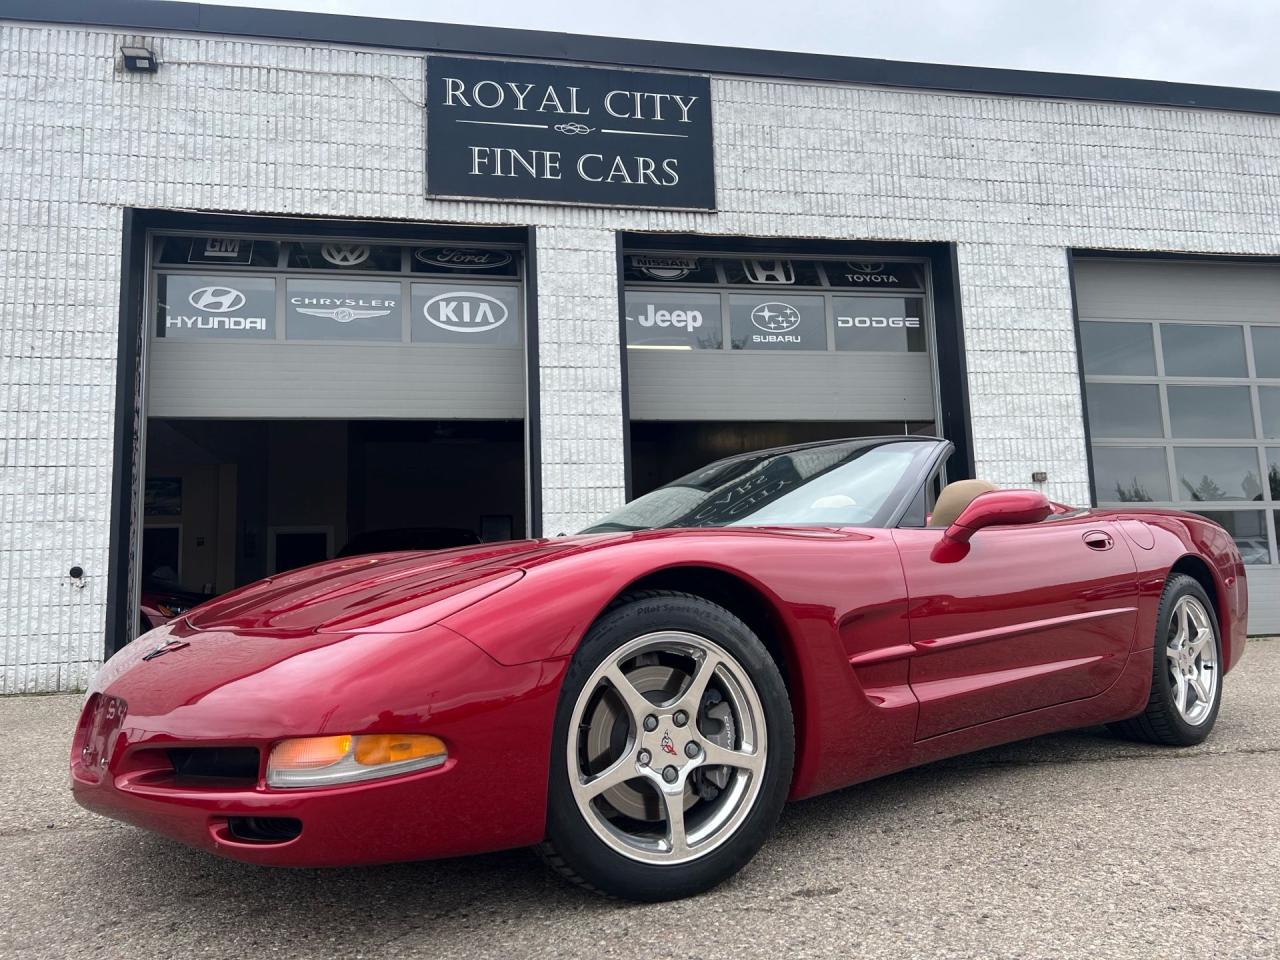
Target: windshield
x,y
846,483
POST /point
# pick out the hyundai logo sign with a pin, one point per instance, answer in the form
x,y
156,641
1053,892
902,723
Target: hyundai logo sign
x,y
216,299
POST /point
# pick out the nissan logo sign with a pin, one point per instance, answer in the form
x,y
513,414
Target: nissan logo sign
x,y
775,317
216,299
465,311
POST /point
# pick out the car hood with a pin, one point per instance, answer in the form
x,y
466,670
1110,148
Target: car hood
x,y
385,592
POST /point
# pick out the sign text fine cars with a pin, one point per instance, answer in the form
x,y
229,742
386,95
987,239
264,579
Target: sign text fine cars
x,y
508,130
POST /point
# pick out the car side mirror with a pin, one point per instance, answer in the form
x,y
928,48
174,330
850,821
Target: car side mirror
x,y
998,508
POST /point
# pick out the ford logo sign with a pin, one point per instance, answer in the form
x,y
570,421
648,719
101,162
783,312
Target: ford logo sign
x,y
217,299
456,258
465,311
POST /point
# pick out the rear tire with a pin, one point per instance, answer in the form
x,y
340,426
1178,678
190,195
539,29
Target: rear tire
x,y
1186,676
664,685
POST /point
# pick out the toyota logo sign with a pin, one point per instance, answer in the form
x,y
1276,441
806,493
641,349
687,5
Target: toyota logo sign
x,y
775,317
216,299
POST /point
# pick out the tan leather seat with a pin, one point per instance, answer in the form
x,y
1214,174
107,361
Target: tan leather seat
x,y
954,498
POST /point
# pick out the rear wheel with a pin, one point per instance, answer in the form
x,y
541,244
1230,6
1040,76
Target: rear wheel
x,y
1186,681
673,750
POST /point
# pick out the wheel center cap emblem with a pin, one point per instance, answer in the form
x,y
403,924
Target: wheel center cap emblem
x,y
668,745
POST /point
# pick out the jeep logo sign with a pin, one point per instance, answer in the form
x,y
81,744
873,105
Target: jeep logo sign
x,y
465,311
673,320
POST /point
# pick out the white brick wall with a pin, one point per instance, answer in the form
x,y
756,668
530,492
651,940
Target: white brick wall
x,y
244,126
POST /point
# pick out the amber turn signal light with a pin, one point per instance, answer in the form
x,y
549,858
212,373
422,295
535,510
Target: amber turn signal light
x,y
323,761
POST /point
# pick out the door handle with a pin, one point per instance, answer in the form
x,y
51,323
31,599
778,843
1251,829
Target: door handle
x,y
1097,540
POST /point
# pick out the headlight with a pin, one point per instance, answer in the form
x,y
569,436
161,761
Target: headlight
x,y
322,761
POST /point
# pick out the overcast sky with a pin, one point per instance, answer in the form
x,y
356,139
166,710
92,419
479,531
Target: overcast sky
x,y
1231,42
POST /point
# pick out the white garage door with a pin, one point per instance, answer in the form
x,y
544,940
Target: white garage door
x,y
1182,384
745,338
263,328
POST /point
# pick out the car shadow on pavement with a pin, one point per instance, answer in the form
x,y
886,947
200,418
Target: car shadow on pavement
x,y
387,902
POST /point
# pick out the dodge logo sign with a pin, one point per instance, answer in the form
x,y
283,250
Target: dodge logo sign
x,y
465,311
216,299
775,317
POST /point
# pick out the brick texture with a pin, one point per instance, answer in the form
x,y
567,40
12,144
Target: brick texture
x,y
280,128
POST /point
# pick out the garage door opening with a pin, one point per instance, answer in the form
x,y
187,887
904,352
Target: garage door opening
x,y
228,502
663,450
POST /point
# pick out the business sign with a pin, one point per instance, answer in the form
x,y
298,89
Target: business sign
x,y
342,310
213,307
465,314
673,320
778,323
510,130
884,324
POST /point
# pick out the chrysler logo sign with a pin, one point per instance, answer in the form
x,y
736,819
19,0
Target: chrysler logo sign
x,y
774,317
465,311
216,299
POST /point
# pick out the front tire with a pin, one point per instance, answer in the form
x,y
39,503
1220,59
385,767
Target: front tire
x,y
673,750
1186,681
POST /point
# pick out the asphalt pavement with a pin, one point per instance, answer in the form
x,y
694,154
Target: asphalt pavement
x,y
1074,845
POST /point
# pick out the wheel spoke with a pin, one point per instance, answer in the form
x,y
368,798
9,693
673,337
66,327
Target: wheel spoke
x,y
673,808
718,756
1184,626
637,704
1180,691
619,772
1198,686
691,698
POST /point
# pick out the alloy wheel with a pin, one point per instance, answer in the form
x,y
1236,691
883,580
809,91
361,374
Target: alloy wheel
x,y
667,747
1191,651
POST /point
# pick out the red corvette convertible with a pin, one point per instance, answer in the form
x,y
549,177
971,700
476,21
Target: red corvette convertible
x,y
640,700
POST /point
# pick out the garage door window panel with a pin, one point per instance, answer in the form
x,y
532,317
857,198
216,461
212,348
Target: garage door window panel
x,y
1248,528
1211,474
215,307
1131,474
674,320
1118,349
322,309
465,314
879,324
1124,410
777,322
1203,350
1210,412
1266,351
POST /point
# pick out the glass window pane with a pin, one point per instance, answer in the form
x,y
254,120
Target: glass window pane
x,y
892,324
1210,413
1217,473
466,315
673,320
874,275
1203,350
1273,471
785,323
1124,349
668,268
341,255
771,272
1124,410
1130,474
317,309
1269,407
1248,529
1266,351
224,251
215,307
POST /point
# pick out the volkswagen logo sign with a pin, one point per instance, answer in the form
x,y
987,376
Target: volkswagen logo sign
x,y
775,317
465,311
216,299
345,254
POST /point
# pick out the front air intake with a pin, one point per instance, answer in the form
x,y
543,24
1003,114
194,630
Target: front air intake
x,y
264,829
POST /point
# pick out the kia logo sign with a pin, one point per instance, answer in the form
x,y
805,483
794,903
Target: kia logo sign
x,y
462,259
775,317
216,299
465,311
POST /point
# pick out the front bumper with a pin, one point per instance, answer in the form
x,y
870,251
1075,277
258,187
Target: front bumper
x,y
489,795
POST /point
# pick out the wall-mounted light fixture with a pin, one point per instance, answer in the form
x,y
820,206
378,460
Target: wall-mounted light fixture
x,y
139,60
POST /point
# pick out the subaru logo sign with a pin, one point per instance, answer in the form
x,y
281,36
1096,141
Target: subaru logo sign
x,y
775,317
216,299
465,311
